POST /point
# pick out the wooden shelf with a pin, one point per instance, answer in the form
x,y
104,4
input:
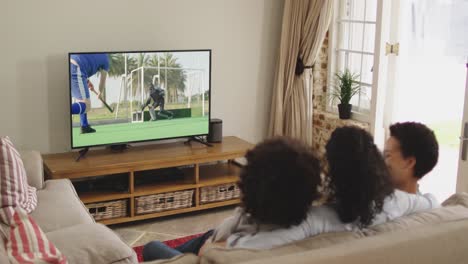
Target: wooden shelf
x,y
188,182
93,197
104,162
219,204
170,212
137,161
219,174
163,188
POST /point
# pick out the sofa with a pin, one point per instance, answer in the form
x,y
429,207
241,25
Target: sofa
x,y
66,222
436,236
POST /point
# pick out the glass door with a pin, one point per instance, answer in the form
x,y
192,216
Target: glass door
x,y
426,77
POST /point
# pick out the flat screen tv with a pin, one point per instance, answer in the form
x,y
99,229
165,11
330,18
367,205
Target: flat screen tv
x,y
135,96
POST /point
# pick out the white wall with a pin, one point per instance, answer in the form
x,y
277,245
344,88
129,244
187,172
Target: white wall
x,y
36,36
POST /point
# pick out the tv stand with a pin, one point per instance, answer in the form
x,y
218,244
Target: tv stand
x,y
199,140
82,153
146,173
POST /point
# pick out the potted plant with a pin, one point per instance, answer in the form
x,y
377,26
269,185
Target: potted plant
x,y
346,86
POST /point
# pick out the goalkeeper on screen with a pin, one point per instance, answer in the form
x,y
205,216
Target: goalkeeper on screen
x,y
156,99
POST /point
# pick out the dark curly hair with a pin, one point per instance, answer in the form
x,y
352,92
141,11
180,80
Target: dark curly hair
x,y
279,182
418,141
358,180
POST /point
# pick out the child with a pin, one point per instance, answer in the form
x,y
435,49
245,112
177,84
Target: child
x,y
410,152
278,185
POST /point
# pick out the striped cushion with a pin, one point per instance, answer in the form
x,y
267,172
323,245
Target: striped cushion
x,y
14,188
26,243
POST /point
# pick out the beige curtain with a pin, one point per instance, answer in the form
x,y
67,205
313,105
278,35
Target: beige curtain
x,y
305,24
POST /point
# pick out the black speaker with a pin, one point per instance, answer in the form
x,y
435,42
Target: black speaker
x,y
216,131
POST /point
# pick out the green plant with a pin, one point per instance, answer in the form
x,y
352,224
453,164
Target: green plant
x,y
346,86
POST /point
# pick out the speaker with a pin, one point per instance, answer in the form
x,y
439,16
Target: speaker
x,y
215,134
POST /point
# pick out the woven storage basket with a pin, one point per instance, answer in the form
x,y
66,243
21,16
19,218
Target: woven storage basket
x,y
216,193
107,210
163,202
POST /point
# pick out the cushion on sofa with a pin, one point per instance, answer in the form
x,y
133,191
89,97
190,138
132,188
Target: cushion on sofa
x,y
221,255
3,253
455,208
59,206
33,165
14,188
444,243
460,198
27,243
92,243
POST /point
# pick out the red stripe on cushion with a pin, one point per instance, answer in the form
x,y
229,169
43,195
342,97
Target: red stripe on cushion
x,y
39,235
22,233
14,247
23,227
52,249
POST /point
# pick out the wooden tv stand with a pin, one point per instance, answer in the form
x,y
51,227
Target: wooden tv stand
x,y
202,166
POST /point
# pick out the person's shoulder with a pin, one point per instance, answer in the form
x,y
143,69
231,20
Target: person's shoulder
x,y
431,197
399,196
323,212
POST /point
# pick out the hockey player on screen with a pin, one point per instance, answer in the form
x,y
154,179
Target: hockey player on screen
x,y
157,97
82,67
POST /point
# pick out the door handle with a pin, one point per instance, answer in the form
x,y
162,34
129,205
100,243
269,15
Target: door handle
x,y
464,140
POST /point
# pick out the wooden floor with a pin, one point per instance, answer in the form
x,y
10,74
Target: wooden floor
x,y
171,227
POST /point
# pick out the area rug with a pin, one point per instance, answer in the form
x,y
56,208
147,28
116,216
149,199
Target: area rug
x,y
171,243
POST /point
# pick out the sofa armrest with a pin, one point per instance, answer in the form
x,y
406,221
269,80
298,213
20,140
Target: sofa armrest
x,y
92,243
32,161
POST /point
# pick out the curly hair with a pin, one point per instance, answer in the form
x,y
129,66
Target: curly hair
x,y
279,182
418,141
359,180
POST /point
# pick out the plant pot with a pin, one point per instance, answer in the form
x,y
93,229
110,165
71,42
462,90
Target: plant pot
x,y
344,111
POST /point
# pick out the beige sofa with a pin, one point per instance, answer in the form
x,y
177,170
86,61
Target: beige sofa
x,y
66,221
436,236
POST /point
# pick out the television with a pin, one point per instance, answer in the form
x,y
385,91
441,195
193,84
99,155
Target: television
x,y
125,97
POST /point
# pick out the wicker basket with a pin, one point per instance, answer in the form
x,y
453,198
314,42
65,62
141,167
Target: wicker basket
x,y
107,210
217,193
163,202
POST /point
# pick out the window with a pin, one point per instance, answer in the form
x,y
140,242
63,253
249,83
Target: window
x,y
352,46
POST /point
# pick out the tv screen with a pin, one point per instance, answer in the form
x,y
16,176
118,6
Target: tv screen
x,y
124,97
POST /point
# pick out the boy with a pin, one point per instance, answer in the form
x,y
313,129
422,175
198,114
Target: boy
x,y
410,153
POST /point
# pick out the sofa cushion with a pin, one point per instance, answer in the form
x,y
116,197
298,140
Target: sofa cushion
x,y
444,243
59,206
14,188
3,253
455,208
27,243
92,243
460,198
222,255
32,161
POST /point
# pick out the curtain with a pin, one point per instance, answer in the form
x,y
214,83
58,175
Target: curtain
x,y
305,24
